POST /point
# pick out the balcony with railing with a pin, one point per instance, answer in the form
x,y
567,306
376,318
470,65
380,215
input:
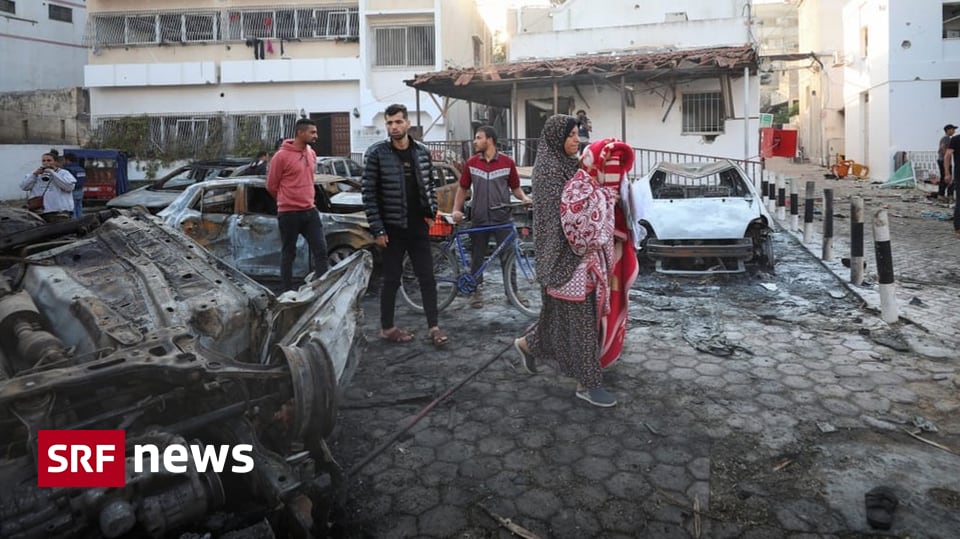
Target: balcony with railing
x,y
176,47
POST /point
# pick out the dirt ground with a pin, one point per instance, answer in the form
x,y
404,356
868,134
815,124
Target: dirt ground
x,y
751,406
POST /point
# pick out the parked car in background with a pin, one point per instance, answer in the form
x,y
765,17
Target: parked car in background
x,y
445,178
704,217
236,220
340,166
161,193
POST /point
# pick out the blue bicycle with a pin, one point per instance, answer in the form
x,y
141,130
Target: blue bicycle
x,y
451,268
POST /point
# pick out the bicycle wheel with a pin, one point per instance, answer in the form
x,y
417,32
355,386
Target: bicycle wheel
x,y
444,271
520,281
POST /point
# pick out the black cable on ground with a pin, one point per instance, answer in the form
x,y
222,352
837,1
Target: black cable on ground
x,y
422,413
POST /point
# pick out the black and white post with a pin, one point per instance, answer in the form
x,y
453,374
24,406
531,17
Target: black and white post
x,y
856,241
794,204
808,212
827,254
889,312
764,186
781,198
771,194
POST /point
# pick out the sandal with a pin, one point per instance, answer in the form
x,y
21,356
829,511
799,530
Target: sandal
x,y
438,337
396,335
881,502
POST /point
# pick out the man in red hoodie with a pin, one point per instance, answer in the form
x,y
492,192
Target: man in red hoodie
x,y
290,181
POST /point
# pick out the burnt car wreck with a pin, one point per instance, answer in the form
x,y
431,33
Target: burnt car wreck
x,y
137,328
704,217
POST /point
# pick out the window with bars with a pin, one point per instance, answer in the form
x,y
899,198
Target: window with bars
x,y
404,46
60,13
702,113
294,23
229,25
8,6
193,135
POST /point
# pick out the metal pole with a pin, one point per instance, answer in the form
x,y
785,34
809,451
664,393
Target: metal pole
x,y
419,127
556,96
856,241
513,120
623,108
794,204
889,312
746,113
808,212
827,254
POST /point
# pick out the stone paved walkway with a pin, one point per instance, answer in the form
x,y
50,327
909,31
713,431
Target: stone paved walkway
x,y
751,406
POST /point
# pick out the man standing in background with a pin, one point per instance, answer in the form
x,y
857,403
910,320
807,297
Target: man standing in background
x,y
80,174
943,190
290,181
493,177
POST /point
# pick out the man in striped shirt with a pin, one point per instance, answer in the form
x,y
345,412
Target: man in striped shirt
x,y
492,176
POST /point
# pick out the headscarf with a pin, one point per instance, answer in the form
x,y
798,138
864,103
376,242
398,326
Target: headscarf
x,y
551,170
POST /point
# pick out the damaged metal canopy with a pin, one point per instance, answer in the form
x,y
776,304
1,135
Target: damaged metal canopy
x,y
491,84
137,328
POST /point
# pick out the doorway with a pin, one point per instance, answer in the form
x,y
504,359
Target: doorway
x,y
333,133
537,112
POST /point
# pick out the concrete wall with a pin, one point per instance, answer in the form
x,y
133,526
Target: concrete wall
x,y
45,117
37,52
19,160
646,126
585,13
680,35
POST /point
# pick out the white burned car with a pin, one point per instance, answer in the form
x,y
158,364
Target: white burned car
x,y
704,217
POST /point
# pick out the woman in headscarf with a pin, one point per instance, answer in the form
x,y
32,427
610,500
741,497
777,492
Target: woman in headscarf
x,y
567,330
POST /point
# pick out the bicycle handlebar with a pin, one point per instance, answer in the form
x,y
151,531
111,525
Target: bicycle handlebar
x,y
510,205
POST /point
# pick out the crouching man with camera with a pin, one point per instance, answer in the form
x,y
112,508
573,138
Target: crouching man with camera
x,y
50,189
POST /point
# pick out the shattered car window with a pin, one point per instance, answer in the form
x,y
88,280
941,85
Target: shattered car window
x,y
727,183
218,200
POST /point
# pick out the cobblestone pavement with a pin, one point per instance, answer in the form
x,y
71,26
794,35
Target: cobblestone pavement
x,y
926,252
751,406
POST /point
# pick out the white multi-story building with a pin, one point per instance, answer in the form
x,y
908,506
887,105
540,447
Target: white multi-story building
x,y
821,29
664,74
242,69
902,77
41,44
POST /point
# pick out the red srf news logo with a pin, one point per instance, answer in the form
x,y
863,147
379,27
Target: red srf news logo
x,y
81,458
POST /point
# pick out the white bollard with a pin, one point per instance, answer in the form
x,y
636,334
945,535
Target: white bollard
x,y
889,312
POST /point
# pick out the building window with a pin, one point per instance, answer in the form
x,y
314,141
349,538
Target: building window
x,y
294,23
864,42
702,114
183,26
60,13
8,6
951,20
405,46
477,51
949,88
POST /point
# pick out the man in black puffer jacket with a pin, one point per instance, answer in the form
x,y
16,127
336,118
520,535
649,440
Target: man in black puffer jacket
x,y
400,202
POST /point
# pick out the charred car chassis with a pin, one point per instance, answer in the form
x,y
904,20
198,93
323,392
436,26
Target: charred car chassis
x,y
138,328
